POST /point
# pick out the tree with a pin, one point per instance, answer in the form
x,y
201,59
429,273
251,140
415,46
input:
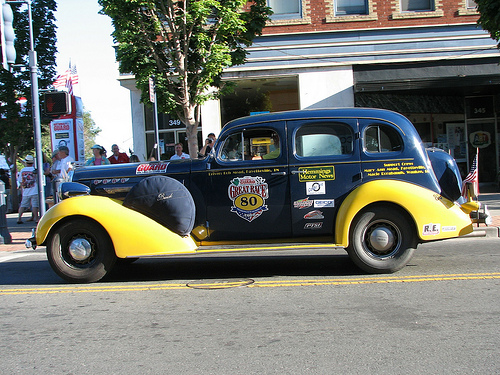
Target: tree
x,y
490,17
16,124
90,132
185,45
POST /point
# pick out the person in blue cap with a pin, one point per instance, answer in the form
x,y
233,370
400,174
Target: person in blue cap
x,y
99,157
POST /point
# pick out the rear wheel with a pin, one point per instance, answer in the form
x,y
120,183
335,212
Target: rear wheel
x,y
382,240
81,251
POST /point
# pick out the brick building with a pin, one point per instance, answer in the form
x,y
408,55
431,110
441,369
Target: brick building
x,y
426,59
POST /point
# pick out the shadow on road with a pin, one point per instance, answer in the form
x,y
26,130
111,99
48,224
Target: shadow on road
x,y
228,267
25,272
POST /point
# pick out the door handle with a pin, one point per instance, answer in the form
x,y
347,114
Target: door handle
x,y
298,172
278,174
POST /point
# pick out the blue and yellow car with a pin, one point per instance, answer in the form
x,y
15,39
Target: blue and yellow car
x,y
355,178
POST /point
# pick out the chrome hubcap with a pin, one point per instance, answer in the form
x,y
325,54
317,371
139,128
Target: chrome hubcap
x,y
381,239
80,249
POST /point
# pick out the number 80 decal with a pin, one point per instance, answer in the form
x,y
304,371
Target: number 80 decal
x,y
248,195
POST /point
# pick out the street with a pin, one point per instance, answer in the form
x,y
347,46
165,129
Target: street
x,y
288,313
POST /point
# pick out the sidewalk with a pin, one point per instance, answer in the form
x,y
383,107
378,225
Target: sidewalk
x,y
490,195
19,232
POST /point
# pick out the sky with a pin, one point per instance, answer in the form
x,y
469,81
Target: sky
x,y
84,38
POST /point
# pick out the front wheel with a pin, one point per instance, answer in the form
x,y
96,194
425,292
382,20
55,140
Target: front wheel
x,y
382,240
80,251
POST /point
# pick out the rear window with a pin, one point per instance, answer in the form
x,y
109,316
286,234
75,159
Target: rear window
x,y
382,138
324,139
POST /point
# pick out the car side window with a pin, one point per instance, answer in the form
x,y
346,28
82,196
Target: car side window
x,y
255,144
382,138
324,139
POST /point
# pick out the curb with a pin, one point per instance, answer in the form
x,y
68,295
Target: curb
x,y
484,232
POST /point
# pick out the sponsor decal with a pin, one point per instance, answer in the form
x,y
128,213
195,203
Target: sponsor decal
x,y
111,181
248,195
62,126
151,168
314,226
324,203
315,188
396,169
431,229
313,215
316,173
303,203
449,229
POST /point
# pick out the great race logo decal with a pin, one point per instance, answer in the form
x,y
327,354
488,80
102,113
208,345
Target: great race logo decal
x,y
248,195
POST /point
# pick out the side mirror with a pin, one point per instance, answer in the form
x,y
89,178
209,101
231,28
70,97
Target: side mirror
x,y
73,189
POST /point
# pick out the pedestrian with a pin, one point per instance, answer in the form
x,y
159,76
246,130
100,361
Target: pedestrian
x,y
65,164
30,190
209,144
48,176
118,157
134,159
54,171
98,158
178,153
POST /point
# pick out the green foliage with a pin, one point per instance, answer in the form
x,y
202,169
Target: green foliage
x,y
90,132
185,45
490,17
16,126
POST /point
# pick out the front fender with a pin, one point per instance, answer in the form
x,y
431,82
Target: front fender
x,y
435,217
132,234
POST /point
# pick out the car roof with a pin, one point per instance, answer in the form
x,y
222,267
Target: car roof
x,y
351,112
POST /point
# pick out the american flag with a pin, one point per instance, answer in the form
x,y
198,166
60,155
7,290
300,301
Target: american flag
x,y
67,80
471,177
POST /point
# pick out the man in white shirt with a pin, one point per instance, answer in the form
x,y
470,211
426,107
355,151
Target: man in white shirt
x,y
30,190
178,153
65,163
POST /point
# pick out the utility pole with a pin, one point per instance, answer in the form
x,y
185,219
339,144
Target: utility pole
x,y
35,101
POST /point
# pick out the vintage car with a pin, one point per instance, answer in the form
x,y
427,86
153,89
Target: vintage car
x,y
354,178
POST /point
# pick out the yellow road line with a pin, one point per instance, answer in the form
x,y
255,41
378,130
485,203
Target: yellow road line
x,y
256,284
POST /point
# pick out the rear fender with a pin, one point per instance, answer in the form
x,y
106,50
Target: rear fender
x,y
434,216
132,234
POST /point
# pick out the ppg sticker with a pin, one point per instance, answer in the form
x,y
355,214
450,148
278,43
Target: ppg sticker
x,y
248,195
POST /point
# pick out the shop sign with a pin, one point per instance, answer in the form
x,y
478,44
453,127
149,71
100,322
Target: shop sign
x,y
480,139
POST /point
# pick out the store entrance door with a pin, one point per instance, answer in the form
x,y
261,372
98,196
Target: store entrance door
x,y
481,135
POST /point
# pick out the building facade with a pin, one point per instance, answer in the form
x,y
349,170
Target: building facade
x,y
427,59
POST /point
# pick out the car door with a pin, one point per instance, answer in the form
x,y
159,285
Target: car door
x,y
247,193
324,168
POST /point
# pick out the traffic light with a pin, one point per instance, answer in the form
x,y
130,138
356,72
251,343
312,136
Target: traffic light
x,y
7,35
57,103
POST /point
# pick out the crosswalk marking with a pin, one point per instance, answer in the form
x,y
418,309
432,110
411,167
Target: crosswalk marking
x,y
13,256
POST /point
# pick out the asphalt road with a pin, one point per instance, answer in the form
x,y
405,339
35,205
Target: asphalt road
x,y
274,313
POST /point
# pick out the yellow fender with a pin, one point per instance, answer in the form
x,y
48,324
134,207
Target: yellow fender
x,y
435,217
132,233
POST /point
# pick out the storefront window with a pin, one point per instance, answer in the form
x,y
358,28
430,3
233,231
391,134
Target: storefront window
x,y
168,139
